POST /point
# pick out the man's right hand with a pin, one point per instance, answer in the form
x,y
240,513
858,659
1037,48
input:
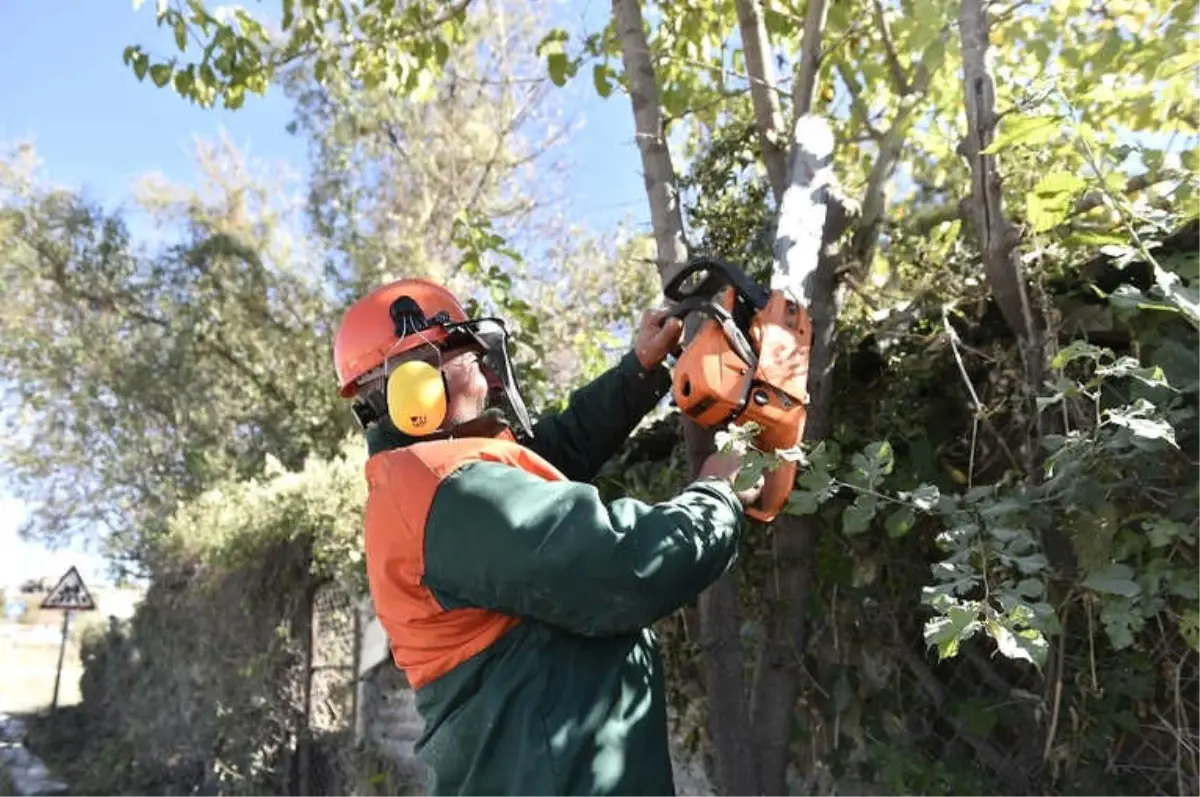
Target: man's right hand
x,y
726,468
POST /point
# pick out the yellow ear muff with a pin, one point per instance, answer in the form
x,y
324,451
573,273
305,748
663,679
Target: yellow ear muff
x,y
416,398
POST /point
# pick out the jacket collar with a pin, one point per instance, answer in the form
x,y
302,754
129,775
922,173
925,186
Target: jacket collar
x,y
385,436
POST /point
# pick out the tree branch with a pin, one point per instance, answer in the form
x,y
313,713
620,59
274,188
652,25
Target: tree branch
x,y
658,173
928,218
57,266
767,116
885,32
875,196
998,238
805,87
857,106
284,58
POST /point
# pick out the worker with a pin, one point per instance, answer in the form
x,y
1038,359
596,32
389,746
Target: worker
x,y
516,601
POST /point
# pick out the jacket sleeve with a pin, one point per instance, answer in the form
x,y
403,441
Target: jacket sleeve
x,y
501,539
599,417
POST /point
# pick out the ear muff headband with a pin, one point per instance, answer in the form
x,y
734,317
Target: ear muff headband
x,y
416,398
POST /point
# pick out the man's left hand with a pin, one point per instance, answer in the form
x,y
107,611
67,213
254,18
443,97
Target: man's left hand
x,y
656,338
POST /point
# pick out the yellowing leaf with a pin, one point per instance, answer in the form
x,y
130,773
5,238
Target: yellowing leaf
x,y
1059,183
1027,130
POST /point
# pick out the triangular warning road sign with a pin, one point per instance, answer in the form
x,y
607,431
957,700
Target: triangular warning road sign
x,y
70,593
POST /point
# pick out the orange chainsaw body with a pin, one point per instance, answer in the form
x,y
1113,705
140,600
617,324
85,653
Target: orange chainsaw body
x,y
747,362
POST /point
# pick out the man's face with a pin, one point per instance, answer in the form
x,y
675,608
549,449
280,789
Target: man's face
x,y
468,384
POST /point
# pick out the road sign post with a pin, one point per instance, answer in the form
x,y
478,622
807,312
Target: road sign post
x,y
71,595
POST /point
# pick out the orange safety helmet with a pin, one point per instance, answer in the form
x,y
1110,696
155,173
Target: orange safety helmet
x,y
383,324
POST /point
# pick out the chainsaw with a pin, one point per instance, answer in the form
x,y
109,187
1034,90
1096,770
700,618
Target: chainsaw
x,y
747,362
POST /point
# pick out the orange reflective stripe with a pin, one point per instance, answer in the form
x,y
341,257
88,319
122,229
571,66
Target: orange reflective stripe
x,y
426,640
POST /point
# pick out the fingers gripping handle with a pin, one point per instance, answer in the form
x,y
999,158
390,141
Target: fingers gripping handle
x,y
777,485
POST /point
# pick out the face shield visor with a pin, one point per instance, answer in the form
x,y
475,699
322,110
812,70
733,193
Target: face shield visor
x,y
489,337
486,336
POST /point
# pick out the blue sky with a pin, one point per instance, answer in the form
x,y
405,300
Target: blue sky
x,y
98,129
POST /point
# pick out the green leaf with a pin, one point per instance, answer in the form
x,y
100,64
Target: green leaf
x,y
1045,213
1116,579
183,83
900,522
1134,418
160,74
1189,628
1028,130
234,97
1027,643
802,502
872,464
949,631
1151,376
818,481
1077,350
925,497
1057,183
1120,622
601,79
558,64
553,42
141,63
1030,588
1161,531
1032,564
857,517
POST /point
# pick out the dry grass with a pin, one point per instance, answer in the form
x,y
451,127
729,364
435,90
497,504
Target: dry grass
x,y
31,646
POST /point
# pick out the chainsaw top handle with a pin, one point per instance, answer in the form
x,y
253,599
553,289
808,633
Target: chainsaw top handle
x,y
717,275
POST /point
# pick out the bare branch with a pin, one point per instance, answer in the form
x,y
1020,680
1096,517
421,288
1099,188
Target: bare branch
x,y
889,49
998,238
805,87
767,116
875,196
658,173
857,106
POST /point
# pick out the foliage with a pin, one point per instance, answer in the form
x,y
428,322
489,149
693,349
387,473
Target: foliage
x,y
203,688
993,574
393,179
396,49
144,376
942,550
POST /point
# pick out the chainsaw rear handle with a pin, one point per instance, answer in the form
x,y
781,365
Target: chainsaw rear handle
x,y
696,304
777,486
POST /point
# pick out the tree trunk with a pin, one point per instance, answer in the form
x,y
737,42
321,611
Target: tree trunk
x,y
804,268
998,240
812,217
720,624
